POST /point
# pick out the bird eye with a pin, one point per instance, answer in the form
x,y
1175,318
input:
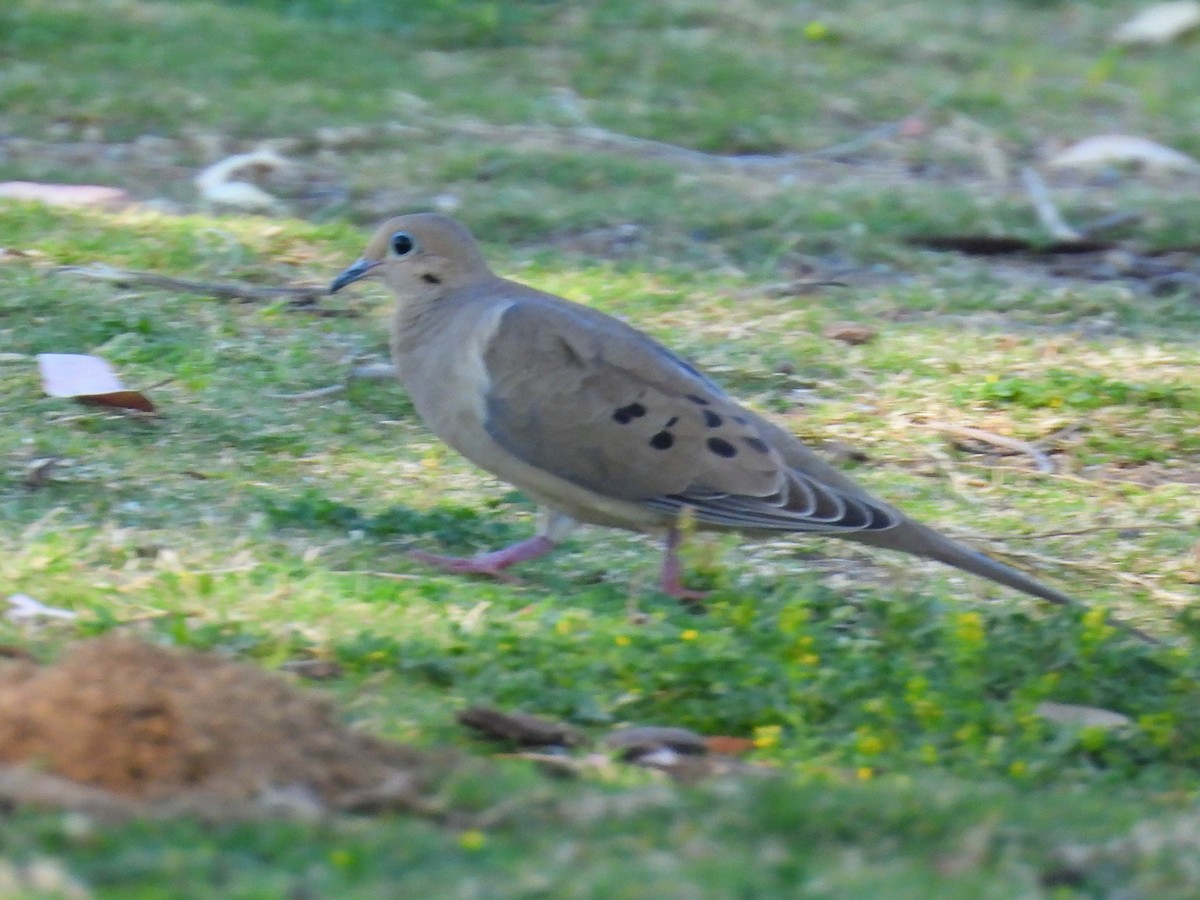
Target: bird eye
x,y
402,243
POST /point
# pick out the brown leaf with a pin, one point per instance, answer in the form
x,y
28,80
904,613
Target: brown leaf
x,y
120,400
88,379
850,333
66,194
635,743
38,472
728,746
520,728
313,669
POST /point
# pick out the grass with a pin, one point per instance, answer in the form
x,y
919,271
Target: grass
x,y
895,699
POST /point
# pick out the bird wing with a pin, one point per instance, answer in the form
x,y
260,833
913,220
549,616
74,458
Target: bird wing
x,y
597,403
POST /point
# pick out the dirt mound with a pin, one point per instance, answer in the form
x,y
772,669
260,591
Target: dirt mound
x,y
121,725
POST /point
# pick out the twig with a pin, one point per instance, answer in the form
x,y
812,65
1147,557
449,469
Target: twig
x,y
391,576
1111,222
309,395
1047,212
601,139
249,293
1060,433
1095,529
373,372
1120,575
864,140
1043,462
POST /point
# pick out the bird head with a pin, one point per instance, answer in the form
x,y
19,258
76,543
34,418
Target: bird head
x,y
418,255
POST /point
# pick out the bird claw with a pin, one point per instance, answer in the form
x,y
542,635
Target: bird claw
x,y
464,565
688,597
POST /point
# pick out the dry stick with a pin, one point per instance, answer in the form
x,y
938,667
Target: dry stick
x,y
298,297
1041,460
1095,529
369,372
314,394
1047,212
1110,222
603,140
1127,577
1066,431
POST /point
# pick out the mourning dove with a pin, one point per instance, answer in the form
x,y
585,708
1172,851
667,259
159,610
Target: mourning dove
x,y
599,423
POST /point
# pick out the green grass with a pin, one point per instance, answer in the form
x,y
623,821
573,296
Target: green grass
x,y
894,699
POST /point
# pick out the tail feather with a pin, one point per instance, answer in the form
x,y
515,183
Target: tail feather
x,y
920,540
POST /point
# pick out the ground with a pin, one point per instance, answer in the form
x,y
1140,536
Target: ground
x,y
746,181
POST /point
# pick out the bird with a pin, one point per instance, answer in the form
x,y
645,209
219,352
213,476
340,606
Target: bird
x,y
601,424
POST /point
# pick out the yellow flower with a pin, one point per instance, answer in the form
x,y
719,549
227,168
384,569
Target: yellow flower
x,y
968,628
562,626
865,773
621,640
767,736
472,839
1018,769
690,635
868,744
816,30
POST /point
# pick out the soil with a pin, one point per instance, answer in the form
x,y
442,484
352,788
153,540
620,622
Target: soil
x,y
125,726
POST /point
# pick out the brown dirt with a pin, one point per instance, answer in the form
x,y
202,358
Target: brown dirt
x,y
121,725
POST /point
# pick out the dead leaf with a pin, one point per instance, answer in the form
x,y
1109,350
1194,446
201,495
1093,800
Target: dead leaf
x,y
989,245
88,379
520,728
635,743
850,333
10,253
66,194
313,669
729,746
22,606
216,184
1080,716
1159,24
1109,149
38,472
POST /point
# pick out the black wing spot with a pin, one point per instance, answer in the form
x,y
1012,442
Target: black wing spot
x,y
711,419
722,447
671,421
430,278
755,444
626,414
662,441
699,401
740,420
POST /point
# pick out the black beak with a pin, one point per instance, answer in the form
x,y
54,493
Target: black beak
x,y
358,269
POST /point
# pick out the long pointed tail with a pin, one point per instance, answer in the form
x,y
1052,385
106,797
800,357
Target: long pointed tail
x,y
921,540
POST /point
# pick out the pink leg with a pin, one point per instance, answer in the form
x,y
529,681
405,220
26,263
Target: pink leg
x,y
491,564
670,582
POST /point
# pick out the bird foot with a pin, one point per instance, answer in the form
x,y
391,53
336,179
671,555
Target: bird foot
x,y
490,565
461,565
671,585
670,582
